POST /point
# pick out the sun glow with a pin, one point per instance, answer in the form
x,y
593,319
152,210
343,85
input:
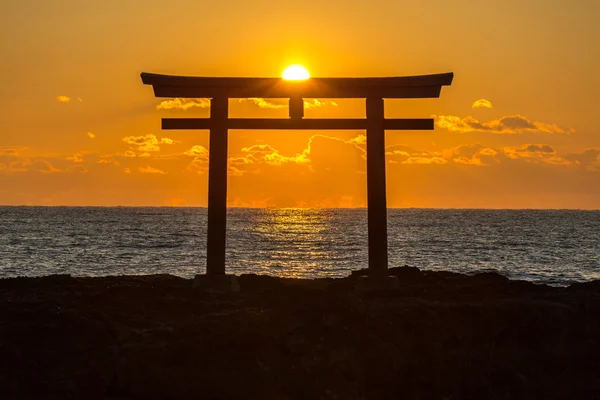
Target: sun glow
x,y
295,73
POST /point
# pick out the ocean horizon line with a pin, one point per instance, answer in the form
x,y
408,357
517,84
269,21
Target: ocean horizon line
x,y
300,208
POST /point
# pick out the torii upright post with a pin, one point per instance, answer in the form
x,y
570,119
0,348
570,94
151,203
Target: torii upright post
x,y
217,187
376,190
220,90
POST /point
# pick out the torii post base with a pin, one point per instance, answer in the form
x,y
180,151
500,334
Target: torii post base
x,y
376,283
216,283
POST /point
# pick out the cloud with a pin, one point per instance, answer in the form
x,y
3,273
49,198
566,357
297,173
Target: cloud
x,y
44,167
33,165
321,153
316,103
476,155
473,154
200,162
481,155
536,153
108,161
197,151
360,140
325,153
183,104
63,99
482,103
76,158
264,153
283,103
143,143
15,161
91,135
588,159
510,125
150,170
529,150
146,143
400,154
425,160
127,170
11,151
266,103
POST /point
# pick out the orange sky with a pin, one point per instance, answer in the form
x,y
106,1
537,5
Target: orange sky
x,y
517,129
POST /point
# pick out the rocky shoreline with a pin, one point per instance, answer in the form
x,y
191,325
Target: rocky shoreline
x,y
440,335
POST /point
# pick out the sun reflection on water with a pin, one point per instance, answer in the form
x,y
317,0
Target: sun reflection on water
x,y
295,242
302,231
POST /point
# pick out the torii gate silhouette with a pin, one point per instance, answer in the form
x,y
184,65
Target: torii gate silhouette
x,y
374,90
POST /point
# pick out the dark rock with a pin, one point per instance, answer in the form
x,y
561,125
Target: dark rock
x,y
406,274
439,335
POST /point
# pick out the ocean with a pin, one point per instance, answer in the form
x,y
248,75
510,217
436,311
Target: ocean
x,y
555,247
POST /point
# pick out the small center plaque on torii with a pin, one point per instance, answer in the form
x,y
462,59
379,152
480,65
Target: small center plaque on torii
x,y
374,90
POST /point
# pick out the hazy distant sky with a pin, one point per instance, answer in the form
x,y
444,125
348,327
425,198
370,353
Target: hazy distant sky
x,y
517,129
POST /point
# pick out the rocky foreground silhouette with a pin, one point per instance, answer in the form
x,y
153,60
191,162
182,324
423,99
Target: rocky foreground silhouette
x,y
439,336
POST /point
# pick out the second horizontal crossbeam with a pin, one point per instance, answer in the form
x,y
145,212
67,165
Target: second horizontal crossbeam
x,y
308,124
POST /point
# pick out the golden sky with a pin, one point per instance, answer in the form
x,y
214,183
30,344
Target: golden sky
x,y
518,128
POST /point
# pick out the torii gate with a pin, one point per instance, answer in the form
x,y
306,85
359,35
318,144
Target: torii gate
x,y
374,90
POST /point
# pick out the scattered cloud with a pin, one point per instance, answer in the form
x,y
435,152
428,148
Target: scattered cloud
x,y
360,140
266,103
12,151
108,161
264,153
150,170
91,135
433,159
127,170
317,103
197,151
146,143
588,159
44,167
23,160
536,153
183,104
327,154
477,155
400,154
481,155
76,158
472,154
32,165
510,125
529,150
283,103
200,162
482,103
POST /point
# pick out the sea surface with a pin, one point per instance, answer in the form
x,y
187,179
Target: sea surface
x,y
551,247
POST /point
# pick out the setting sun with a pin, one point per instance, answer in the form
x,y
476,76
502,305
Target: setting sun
x,y
295,73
